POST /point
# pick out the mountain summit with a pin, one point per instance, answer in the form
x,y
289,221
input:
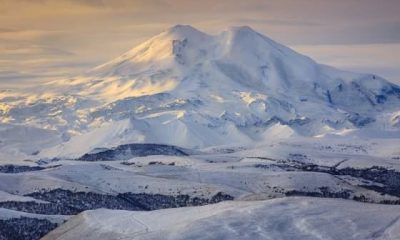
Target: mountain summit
x,y
188,88
238,57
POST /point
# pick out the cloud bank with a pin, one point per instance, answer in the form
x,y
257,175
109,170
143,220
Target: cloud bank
x,y
66,37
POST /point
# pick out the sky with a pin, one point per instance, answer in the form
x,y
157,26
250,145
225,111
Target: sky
x,y
50,39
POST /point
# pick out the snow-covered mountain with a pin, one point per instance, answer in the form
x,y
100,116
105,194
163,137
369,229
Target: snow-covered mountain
x,y
190,89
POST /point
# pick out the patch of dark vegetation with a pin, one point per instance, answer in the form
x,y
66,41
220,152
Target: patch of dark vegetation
x,y
326,193
66,202
362,198
389,178
127,151
161,163
271,167
158,201
25,228
390,202
323,193
390,190
353,147
151,163
10,168
40,208
128,163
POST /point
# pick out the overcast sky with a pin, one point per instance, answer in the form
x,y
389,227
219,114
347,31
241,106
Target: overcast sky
x,y
46,39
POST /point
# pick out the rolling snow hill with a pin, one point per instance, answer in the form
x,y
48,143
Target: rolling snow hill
x,y
296,218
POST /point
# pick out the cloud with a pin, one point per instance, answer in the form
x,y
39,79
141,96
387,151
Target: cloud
x,y
278,22
12,79
69,6
10,76
34,50
381,59
48,35
21,35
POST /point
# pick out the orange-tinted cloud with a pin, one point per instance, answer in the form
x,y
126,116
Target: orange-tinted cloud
x,y
94,31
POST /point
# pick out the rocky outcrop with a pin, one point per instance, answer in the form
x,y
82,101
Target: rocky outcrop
x,y
127,151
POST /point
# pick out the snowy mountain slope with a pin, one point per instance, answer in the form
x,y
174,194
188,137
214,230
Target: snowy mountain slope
x,y
186,88
295,218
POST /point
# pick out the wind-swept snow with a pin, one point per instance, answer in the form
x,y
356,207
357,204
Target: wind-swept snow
x,y
294,218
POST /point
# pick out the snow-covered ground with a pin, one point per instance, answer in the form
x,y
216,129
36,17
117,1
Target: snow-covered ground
x,y
287,218
356,172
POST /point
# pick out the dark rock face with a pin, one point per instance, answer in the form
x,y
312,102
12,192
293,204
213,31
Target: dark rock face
x,y
25,228
124,152
9,168
359,121
392,89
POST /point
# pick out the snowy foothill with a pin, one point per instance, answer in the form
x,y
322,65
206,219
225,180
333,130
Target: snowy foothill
x,y
286,218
